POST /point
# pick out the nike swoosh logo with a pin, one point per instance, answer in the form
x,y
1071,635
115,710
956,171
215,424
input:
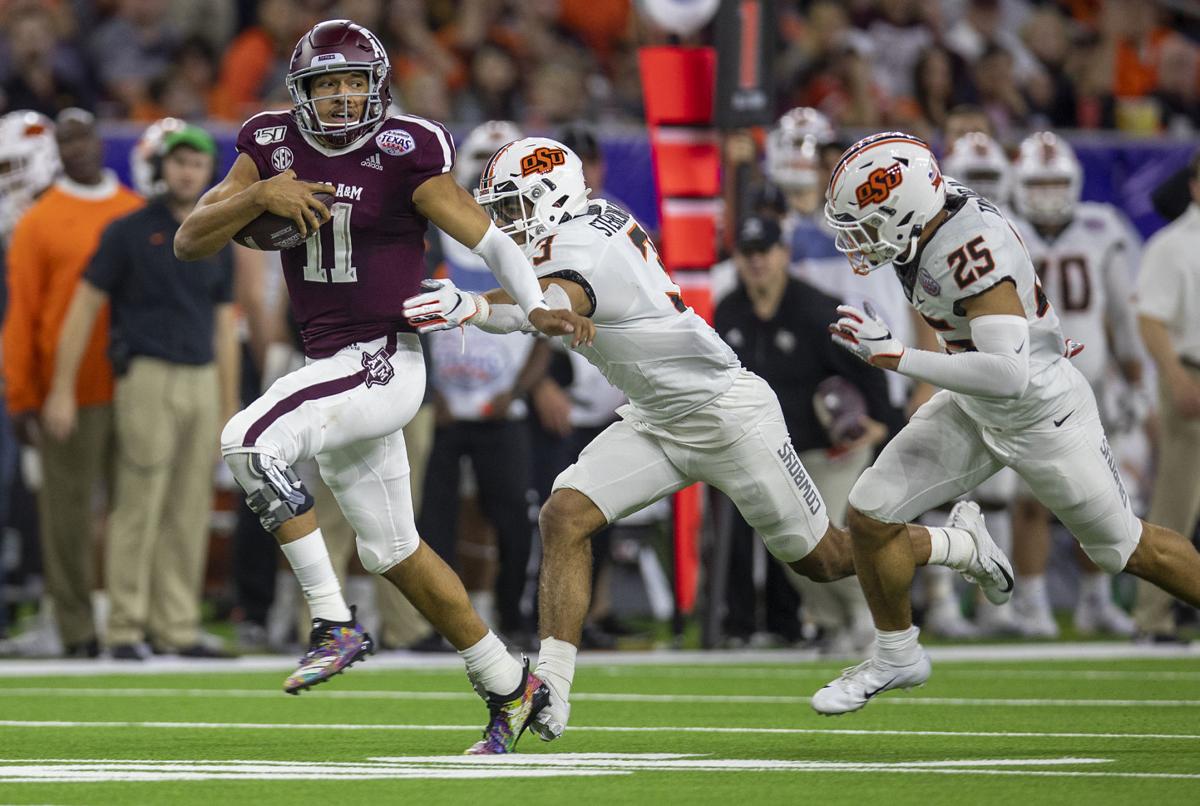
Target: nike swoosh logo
x,y
1007,578
871,694
1058,423
920,300
1019,349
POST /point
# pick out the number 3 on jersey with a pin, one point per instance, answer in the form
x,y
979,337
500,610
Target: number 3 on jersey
x,y
342,271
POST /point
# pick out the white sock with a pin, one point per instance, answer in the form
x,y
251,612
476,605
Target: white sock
x,y
556,665
899,648
489,663
310,561
951,547
1094,588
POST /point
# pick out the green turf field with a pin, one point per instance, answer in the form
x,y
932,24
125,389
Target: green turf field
x,y
1084,731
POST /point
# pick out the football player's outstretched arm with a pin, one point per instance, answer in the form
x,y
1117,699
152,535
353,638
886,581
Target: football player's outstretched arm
x,y
445,306
240,198
455,212
999,330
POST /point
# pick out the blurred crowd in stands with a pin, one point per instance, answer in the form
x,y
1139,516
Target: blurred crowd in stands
x,y
1126,64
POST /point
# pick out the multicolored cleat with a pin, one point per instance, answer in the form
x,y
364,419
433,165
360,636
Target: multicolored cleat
x,y
510,715
334,646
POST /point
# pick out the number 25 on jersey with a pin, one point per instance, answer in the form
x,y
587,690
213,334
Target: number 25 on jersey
x,y
970,261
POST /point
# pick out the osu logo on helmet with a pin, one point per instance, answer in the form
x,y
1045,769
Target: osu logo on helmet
x,y
879,185
542,160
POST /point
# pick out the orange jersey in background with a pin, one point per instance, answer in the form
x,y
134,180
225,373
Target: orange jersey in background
x,y
50,249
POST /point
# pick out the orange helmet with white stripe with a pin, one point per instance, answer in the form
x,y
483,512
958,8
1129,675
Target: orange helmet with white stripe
x,y
882,192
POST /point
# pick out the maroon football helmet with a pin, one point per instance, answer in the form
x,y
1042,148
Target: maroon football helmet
x,y
336,46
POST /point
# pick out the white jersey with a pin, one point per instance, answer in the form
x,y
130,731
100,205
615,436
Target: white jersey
x,y
974,250
1086,273
660,353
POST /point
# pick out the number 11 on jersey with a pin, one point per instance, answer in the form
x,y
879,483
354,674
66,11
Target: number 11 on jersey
x,y
342,270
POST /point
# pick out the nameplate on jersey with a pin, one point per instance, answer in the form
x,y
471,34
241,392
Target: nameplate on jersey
x,y
611,222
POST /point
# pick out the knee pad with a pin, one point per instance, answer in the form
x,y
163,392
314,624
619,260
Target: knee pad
x,y
274,492
870,497
1108,558
375,561
784,545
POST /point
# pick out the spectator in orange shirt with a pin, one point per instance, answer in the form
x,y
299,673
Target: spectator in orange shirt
x,y
50,249
257,58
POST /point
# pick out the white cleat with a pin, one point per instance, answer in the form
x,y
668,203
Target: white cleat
x,y
1033,618
858,684
1093,617
990,569
945,619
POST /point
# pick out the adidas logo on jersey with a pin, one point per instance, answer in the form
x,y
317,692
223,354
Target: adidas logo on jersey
x,y
372,161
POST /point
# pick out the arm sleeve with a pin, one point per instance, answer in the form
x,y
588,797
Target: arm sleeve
x,y
26,295
1000,368
500,318
510,318
511,268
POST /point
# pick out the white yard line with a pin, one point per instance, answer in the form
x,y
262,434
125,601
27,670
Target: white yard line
x,y
525,765
943,670
588,696
358,726
419,661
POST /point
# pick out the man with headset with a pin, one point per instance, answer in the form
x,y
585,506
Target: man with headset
x,y
174,351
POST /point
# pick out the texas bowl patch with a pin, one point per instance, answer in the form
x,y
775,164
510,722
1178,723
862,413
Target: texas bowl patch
x,y
395,142
931,286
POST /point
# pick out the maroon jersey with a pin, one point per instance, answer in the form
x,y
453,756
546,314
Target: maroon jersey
x,y
349,283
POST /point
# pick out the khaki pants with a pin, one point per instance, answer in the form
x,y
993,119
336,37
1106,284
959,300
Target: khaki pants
x,y
1176,501
401,624
840,604
71,471
167,421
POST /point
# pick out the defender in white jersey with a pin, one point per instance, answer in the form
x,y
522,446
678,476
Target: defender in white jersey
x,y
1084,254
694,413
1010,397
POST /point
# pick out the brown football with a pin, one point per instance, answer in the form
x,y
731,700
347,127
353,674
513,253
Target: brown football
x,y
271,233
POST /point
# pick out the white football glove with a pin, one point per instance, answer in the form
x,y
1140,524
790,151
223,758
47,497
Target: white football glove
x,y
442,307
550,722
865,334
